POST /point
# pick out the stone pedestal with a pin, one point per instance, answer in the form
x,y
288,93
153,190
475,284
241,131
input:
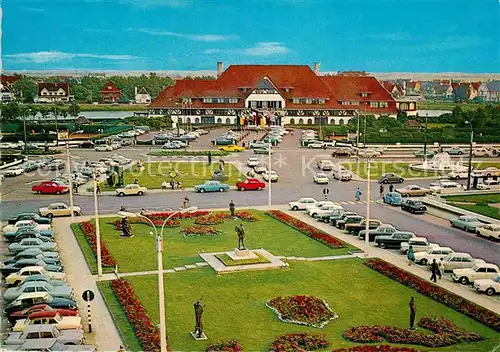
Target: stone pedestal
x,y
240,254
197,338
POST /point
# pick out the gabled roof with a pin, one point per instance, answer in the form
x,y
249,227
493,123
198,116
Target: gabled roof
x,y
349,88
476,85
493,86
114,88
9,79
143,91
53,87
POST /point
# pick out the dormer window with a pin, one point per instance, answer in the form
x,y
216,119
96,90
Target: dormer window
x,y
364,94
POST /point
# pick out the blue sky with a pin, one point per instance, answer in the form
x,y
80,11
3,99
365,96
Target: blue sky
x,y
371,35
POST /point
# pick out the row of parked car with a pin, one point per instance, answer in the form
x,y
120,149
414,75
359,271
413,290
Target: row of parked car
x,y
463,267
39,303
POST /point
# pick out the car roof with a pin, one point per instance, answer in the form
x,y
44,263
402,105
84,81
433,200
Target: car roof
x,y
38,344
460,254
58,203
43,314
32,295
39,327
34,267
488,265
418,239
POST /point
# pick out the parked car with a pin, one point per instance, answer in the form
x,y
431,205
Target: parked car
x,y
56,164
41,318
391,178
340,173
302,203
337,215
32,298
419,244
8,269
478,271
342,152
488,286
31,216
252,162
325,165
23,314
270,176
56,291
355,228
250,184
31,224
491,231
171,145
34,253
394,240
86,144
321,178
103,148
326,209
458,260
489,184
259,169
262,151
44,279
315,145
29,166
45,331
50,187
351,219
17,278
11,236
413,191
468,223
211,186
28,233
131,190
438,253
258,144
413,206
32,243
13,171
381,230
59,209
223,141
392,198
232,148
455,151
481,152
446,187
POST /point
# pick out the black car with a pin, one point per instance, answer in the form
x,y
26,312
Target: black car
x,y
413,206
31,216
342,152
86,144
391,178
394,240
353,219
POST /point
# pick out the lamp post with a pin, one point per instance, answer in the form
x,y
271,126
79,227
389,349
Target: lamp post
x,y
425,138
159,251
368,198
469,171
357,146
269,195
70,182
25,135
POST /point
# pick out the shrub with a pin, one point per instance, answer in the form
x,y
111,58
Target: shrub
x,y
300,342
200,231
212,219
379,348
225,345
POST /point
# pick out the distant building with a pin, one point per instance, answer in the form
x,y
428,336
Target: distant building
x,y
53,93
6,95
110,93
393,88
490,91
9,81
142,97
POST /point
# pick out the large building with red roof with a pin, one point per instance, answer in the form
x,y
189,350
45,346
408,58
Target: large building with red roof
x,y
273,94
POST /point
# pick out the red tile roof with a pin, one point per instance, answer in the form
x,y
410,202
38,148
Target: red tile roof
x,y
9,79
53,87
113,89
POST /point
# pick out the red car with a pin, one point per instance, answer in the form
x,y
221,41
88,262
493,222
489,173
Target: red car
x,y
22,314
251,184
50,187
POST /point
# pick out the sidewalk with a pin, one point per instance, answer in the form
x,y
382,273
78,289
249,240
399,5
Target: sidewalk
x,y
104,334
401,262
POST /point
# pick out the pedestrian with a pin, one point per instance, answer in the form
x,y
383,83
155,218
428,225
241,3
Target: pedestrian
x,y
178,185
391,188
185,203
75,188
441,268
98,189
164,185
172,184
324,146
232,208
136,181
209,156
121,349
434,270
411,255
358,194
381,191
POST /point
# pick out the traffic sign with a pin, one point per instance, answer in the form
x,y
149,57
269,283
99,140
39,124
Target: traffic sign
x,y
326,191
88,295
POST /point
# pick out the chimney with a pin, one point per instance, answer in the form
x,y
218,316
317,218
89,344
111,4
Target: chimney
x,y
316,68
135,90
220,68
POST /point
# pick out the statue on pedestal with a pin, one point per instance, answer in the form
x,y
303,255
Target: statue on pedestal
x,y
126,229
413,312
240,231
198,312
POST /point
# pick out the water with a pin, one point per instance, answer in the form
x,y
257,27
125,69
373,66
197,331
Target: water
x,y
432,113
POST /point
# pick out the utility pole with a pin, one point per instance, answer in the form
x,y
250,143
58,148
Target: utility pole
x,y
469,170
357,146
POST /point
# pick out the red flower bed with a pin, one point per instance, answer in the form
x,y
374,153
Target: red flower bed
x,y
304,310
437,293
88,230
158,222
226,346
246,216
445,333
371,348
146,331
307,230
200,231
212,219
165,214
299,343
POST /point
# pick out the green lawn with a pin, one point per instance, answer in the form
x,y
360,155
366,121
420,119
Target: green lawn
x,y
440,105
234,304
484,164
379,168
476,198
138,253
190,174
439,125
482,209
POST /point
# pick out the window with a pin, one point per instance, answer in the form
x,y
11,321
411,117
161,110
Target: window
x,y
481,270
46,335
374,104
491,270
309,101
32,335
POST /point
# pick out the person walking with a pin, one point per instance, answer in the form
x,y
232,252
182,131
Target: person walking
x,y
434,270
381,191
358,194
185,203
164,185
172,184
209,156
441,269
391,188
98,189
75,188
410,255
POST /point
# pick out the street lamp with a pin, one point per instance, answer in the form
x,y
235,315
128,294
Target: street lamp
x,y
70,181
425,138
269,194
368,199
469,171
159,251
25,136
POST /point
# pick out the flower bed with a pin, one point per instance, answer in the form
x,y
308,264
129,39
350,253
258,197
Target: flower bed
x,y
299,343
165,214
437,293
212,219
307,230
246,216
146,331
226,346
303,310
445,333
88,230
200,231
158,222
371,348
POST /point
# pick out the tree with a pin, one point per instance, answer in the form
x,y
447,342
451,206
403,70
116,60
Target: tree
x,y
26,88
10,111
74,109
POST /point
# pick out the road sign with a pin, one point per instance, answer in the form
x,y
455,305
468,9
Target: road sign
x,y
88,295
326,191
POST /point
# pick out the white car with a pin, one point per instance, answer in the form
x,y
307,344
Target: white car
x,y
325,165
26,223
419,244
302,203
61,322
324,209
479,271
437,253
59,209
321,178
12,172
457,260
457,175
103,148
259,169
446,187
116,145
491,231
488,286
478,152
339,172
487,172
131,190
368,153
270,175
316,145
18,277
489,184
252,162
316,205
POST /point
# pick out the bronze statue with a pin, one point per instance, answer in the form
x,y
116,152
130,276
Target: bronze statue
x,y
198,312
232,208
240,231
413,313
126,228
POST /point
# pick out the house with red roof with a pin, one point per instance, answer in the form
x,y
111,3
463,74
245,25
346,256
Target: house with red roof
x,y
48,92
394,88
110,93
273,94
